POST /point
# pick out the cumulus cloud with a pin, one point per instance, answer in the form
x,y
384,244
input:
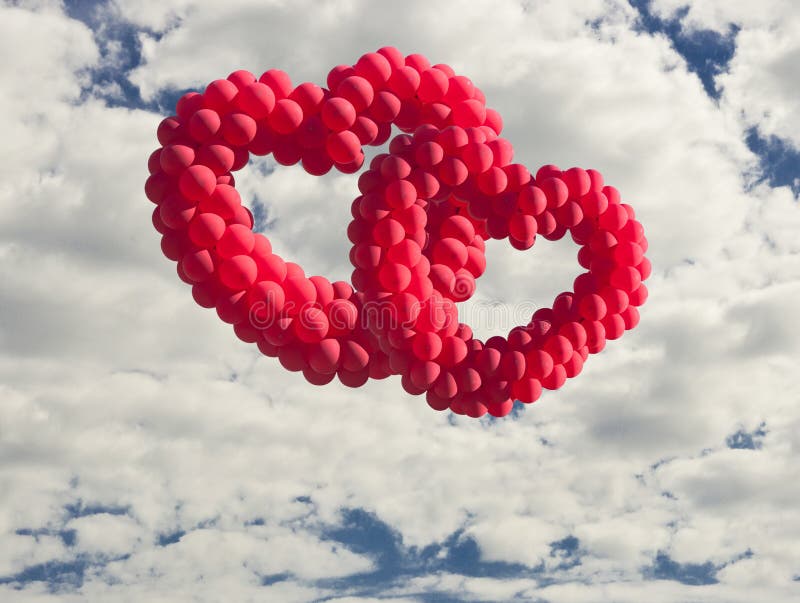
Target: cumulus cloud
x,y
761,82
149,455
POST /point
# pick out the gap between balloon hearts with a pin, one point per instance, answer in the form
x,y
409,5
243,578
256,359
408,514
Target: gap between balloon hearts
x,y
426,207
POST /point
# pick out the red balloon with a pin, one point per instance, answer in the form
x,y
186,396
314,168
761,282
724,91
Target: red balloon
x,y
175,158
316,162
238,129
232,307
427,345
187,105
369,132
527,390
374,67
324,357
433,85
538,363
354,379
204,124
406,252
418,230
342,315
613,218
311,324
453,171
385,107
575,333
357,90
523,227
176,211
417,62
300,293
614,326
218,157
287,150
394,277
238,273
595,336
616,300
388,232
469,113
401,194
315,378
500,409
451,252
460,88
502,150
264,141
556,378
343,147
256,100
267,348
286,117
424,373
626,278
532,200
592,307
246,332
454,350
278,81
478,157
338,113
512,365
630,317
574,365
197,182
494,120
638,296
404,82
266,299
292,359
206,229
280,332
487,361
236,240
555,191
219,94
578,182
198,265
594,203
394,168
309,96
559,348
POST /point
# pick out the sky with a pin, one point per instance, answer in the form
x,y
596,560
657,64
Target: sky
x,y
146,454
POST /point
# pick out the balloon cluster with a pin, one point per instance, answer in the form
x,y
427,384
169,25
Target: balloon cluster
x,y
426,207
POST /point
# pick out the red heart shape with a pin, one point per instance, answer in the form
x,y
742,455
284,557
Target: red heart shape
x,y
418,232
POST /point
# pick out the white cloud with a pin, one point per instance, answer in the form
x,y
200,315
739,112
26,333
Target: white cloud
x,y
105,534
119,392
214,554
761,82
18,551
719,14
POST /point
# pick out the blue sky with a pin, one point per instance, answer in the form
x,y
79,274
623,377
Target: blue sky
x,y
146,454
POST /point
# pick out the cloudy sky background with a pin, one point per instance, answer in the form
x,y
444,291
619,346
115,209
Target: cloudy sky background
x,y
148,455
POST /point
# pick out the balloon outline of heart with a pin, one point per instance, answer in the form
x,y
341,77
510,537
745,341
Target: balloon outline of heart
x,y
426,207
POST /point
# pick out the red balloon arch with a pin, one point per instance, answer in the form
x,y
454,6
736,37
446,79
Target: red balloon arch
x,y
425,209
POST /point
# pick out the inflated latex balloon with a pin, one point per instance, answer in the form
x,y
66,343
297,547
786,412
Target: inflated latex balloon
x,y
426,207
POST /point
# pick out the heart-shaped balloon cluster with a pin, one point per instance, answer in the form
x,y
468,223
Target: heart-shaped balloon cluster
x,y
426,207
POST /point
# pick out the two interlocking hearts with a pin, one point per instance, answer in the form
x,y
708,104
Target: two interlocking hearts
x,y
419,225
